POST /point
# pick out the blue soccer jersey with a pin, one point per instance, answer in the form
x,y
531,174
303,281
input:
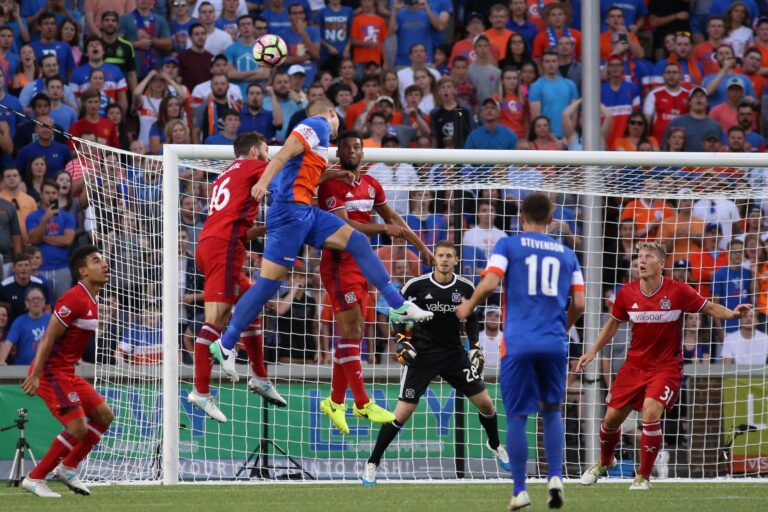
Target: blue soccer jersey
x,y
296,181
539,274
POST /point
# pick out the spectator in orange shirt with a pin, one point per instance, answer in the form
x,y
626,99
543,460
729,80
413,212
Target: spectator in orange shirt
x,y
710,257
557,16
367,34
761,37
514,104
751,65
615,21
358,112
536,14
378,131
646,213
499,34
636,131
704,52
474,26
681,230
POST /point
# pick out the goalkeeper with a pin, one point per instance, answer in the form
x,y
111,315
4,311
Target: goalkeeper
x,y
436,348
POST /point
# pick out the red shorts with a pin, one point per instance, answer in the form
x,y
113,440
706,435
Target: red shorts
x,y
633,385
344,283
63,391
221,262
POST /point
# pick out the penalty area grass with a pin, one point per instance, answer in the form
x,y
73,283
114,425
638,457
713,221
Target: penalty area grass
x,y
470,497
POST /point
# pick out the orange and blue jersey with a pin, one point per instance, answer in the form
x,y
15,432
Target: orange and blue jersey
x,y
296,182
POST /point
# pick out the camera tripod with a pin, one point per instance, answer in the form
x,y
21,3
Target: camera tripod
x,y
17,469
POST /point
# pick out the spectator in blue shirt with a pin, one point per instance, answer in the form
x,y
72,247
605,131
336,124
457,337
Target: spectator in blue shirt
x,y
551,94
149,34
53,230
303,43
518,21
731,285
244,68
335,23
9,101
14,289
255,118
46,25
439,12
634,11
430,227
231,120
56,154
27,330
411,24
491,134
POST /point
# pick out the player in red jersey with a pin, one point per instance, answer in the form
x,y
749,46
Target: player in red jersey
x,y
70,398
345,283
652,374
220,256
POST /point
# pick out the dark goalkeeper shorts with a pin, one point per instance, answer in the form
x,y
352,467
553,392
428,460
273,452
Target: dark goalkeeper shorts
x,y
452,365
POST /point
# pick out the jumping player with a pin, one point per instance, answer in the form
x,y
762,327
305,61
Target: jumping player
x,y
650,379
292,221
540,275
70,398
220,256
344,282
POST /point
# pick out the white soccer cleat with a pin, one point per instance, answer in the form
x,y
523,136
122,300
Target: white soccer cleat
x,y
409,312
522,500
226,359
38,488
369,474
68,476
555,491
596,472
502,457
207,404
640,484
265,388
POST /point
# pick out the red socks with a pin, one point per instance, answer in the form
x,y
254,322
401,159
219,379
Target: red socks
x,y
86,444
609,438
203,359
62,445
346,360
650,445
253,341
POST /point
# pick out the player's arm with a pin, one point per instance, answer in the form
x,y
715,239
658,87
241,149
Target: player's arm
x,y
53,332
722,313
368,229
255,232
487,286
392,218
293,147
576,308
606,334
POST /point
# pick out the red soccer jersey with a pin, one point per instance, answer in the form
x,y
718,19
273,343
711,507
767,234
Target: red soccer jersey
x,y
78,312
358,199
665,106
104,130
232,208
657,321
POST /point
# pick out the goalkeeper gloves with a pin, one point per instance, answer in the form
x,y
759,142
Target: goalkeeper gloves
x,y
406,354
476,358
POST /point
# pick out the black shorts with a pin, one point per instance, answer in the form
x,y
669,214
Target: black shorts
x,y
452,365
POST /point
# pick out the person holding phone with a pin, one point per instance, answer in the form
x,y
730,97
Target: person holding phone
x,y
618,40
53,230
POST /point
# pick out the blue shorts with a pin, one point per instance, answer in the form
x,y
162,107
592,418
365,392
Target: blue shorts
x,y
530,379
291,225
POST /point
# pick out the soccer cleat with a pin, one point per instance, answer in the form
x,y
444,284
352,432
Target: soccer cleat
x,y
265,388
68,476
337,413
207,404
409,312
596,472
38,488
369,474
226,359
640,484
373,412
555,490
502,457
522,500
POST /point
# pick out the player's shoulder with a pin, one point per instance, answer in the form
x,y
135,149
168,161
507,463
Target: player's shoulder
x,y
369,179
463,282
416,282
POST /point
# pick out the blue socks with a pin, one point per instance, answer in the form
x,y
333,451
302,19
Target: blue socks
x,y
554,441
372,268
248,308
517,446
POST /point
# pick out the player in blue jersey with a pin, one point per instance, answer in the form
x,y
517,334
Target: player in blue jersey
x,y
539,275
292,221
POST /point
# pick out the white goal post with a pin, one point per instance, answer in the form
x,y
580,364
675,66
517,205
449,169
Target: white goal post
x,y
587,180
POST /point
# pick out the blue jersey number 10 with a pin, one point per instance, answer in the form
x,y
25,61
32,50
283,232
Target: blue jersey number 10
x,y
550,273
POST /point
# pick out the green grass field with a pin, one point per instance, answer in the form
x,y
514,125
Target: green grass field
x,y
678,497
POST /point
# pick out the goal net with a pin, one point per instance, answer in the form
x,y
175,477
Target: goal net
x,y
146,213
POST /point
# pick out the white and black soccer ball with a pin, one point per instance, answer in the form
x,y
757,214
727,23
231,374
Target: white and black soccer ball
x,y
270,50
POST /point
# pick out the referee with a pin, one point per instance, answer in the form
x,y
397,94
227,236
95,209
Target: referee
x,y
436,348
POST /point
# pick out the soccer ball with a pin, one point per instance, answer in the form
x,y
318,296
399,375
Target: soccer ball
x,y
270,50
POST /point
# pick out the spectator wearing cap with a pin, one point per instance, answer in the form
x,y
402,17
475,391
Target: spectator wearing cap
x,y
732,284
696,123
315,92
117,51
490,337
551,93
47,44
303,43
557,17
680,229
618,31
255,118
710,257
704,52
518,21
726,113
483,73
491,134
620,97
466,47
216,40
450,123
745,118
202,91
747,345
418,60
411,24
717,85
195,62
681,271
358,111
179,25
244,69
27,330
115,85
691,72
367,36
665,103
55,153
498,34
149,34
